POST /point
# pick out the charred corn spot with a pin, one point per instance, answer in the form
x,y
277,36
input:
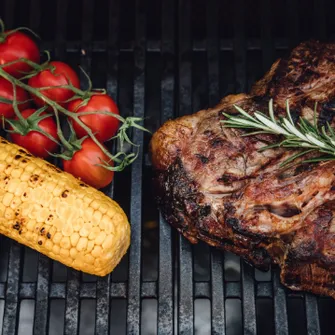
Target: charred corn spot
x,y
42,215
41,240
54,213
87,213
8,169
16,201
20,189
57,190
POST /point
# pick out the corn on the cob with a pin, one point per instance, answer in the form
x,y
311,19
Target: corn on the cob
x,y
56,214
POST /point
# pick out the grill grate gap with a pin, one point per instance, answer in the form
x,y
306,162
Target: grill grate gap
x,y
56,323
118,315
233,316
134,289
149,317
26,317
87,318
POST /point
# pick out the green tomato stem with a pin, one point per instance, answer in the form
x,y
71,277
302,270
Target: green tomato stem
x,y
56,107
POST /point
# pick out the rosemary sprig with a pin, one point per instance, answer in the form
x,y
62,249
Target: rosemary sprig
x,y
304,136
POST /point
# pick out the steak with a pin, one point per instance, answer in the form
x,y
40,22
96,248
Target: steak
x,y
215,185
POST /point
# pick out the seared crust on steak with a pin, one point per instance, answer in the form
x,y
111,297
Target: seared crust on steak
x,y
214,185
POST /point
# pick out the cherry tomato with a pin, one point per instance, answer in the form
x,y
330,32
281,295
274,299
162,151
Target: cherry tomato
x,y
83,165
7,92
35,142
14,46
62,74
103,126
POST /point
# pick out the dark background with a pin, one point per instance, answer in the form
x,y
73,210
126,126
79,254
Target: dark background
x,y
160,59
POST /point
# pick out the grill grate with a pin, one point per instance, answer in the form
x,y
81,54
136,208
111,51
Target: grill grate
x,y
162,59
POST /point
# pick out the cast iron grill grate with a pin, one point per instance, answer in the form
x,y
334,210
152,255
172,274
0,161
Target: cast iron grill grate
x,y
161,59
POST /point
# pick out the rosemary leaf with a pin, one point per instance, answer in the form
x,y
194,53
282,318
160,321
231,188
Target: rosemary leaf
x,y
303,135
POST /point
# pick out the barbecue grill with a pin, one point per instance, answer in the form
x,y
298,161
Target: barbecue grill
x,y
160,59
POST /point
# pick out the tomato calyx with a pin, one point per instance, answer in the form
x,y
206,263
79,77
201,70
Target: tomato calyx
x,y
23,126
71,146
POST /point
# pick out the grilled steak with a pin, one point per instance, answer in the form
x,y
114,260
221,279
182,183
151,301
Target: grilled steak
x,y
214,185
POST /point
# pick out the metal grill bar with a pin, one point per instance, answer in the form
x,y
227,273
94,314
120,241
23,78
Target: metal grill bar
x,y
217,279
35,14
248,298
42,296
165,281
9,12
103,288
294,23
148,290
280,308
134,289
60,32
185,276
266,35
251,44
43,271
312,315
71,325
13,278
240,47
319,18
86,45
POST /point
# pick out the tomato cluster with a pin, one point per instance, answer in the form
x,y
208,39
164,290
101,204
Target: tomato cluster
x,y
54,81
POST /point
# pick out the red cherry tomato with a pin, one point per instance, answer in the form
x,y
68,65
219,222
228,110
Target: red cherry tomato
x,y
7,92
14,46
35,142
103,126
83,165
62,74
